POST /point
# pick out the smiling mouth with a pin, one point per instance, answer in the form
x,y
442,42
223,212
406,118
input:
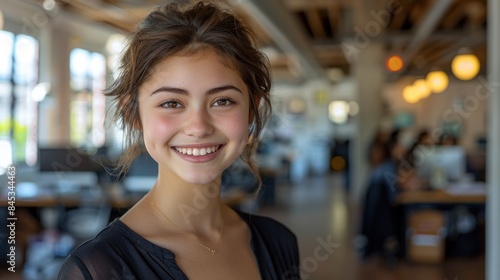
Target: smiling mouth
x,y
197,151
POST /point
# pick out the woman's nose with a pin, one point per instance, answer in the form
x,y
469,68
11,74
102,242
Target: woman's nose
x,y
198,123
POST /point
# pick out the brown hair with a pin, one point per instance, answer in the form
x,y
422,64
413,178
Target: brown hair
x,y
179,29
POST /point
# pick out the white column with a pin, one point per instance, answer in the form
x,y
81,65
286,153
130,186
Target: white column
x,y
54,68
369,72
493,144
366,54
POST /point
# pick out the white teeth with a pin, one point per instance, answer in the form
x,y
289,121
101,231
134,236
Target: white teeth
x,y
196,151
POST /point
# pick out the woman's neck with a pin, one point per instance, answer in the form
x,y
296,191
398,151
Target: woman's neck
x,y
189,207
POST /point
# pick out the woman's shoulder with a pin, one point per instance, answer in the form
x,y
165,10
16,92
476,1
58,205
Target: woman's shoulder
x,y
274,244
92,255
104,240
112,241
117,239
267,226
113,254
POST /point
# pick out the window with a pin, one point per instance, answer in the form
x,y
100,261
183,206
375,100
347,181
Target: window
x,y
88,77
18,115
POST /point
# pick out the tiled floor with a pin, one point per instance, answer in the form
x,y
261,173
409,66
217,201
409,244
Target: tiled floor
x,y
320,213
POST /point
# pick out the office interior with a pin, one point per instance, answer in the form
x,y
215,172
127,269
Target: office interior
x,y
347,75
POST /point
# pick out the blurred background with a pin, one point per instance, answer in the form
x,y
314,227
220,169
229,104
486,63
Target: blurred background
x,y
375,155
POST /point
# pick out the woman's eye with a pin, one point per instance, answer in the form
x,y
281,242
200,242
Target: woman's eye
x,y
171,104
223,102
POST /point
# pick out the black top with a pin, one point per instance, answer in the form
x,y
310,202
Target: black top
x,y
117,252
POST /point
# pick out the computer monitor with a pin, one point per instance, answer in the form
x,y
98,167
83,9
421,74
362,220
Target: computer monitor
x,y
141,175
67,159
449,159
67,169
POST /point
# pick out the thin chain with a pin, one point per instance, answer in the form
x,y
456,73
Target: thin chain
x,y
211,250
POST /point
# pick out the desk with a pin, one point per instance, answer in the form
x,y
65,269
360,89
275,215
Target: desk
x,y
39,207
114,198
473,199
439,197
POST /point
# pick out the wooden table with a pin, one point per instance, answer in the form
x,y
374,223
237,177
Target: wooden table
x,y
114,197
440,197
443,200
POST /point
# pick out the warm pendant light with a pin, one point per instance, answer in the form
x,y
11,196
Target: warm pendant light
x,y
410,94
437,81
421,88
465,66
394,63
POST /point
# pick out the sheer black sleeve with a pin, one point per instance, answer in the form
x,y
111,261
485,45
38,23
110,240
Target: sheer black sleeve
x,y
74,269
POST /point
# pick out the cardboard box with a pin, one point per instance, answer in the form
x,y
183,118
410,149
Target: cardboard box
x,y
426,236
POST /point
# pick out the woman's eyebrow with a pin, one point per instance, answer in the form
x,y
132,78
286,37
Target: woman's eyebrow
x,y
223,88
185,92
170,89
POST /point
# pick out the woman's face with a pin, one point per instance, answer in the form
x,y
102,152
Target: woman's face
x,y
195,114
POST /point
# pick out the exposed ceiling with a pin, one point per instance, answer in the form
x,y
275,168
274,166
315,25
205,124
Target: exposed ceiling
x,y
311,38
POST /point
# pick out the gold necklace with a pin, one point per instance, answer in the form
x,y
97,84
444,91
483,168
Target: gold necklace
x,y
211,250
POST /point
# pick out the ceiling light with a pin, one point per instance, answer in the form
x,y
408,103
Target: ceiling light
x,y
437,81
394,63
422,90
50,5
465,66
338,111
410,94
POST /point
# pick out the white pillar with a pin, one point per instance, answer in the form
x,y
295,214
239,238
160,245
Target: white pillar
x,y
54,68
493,144
366,54
369,71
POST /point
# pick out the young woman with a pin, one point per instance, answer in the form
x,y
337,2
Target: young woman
x,y
194,92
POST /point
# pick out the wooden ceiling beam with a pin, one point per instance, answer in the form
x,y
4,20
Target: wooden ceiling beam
x,y
476,14
428,56
399,18
467,42
101,8
426,27
426,39
286,31
112,16
303,5
314,20
457,12
335,19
